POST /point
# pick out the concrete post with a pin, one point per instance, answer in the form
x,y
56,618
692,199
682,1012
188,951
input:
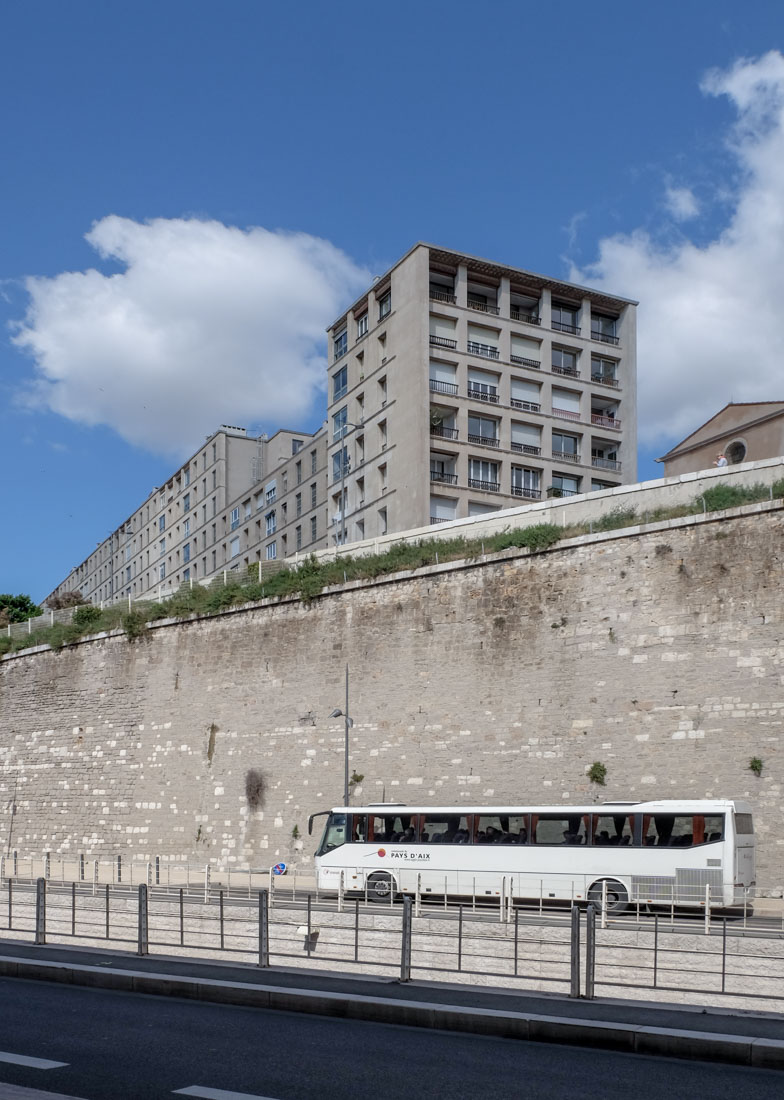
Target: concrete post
x,y
40,911
590,951
144,933
405,944
263,928
575,953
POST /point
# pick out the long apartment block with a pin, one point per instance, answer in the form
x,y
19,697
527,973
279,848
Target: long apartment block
x,y
457,386
460,386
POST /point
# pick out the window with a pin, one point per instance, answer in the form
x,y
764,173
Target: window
x,y
340,344
564,318
313,495
186,574
382,431
272,551
234,546
565,485
339,383
215,479
186,552
382,390
162,547
613,830
161,523
296,445
162,571
382,521
313,461
186,502
214,452
525,482
340,423
362,326
271,523
186,530
313,529
298,504
385,306
549,829
271,492
298,537
483,430
564,361
340,464
603,328
299,473
187,476
235,518
564,444
603,370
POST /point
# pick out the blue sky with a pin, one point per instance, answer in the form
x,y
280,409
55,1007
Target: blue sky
x,y
241,169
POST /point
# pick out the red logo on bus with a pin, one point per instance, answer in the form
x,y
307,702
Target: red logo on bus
x,y
382,851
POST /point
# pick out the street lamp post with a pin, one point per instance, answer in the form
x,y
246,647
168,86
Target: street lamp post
x,y
348,723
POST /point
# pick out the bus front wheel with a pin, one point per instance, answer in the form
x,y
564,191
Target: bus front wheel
x,y
617,896
380,887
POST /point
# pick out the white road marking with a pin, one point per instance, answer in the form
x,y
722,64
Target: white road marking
x,y
217,1094
32,1063
17,1092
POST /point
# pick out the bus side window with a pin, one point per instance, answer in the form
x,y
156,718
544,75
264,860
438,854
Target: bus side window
x,y
714,828
612,830
358,828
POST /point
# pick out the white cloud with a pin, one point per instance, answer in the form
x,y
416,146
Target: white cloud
x,y
681,203
710,327
204,324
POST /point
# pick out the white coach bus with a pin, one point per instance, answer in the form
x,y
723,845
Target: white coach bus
x,y
660,852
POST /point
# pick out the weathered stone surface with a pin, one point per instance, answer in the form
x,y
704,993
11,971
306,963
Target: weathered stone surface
x,y
659,654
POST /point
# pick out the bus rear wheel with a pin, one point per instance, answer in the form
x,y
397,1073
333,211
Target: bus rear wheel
x,y
617,896
380,887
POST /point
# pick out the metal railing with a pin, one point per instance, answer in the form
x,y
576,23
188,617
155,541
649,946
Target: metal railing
x,y
604,337
444,478
566,456
442,432
442,296
562,326
443,387
568,372
526,448
605,421
488,486
481,392
605,380
483,307
486,351
606,463
527,494
483,440
565,414
521,361
576,949
443,342
527,406
522,315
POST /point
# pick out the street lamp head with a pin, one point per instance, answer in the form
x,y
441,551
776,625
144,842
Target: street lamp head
x,y
336,714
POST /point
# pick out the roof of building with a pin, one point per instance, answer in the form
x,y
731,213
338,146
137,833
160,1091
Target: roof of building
x,y
712,430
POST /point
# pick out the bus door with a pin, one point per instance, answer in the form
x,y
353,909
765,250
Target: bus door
x,y
745,853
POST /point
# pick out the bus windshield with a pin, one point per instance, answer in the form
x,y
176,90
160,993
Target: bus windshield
x,y
334,834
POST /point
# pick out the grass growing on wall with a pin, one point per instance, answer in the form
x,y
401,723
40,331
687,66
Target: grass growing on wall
x,y
311,576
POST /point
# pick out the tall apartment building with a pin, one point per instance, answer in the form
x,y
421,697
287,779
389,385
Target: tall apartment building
x,y
239,499
457,387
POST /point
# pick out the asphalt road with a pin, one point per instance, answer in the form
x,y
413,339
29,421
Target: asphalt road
x,y
116,1045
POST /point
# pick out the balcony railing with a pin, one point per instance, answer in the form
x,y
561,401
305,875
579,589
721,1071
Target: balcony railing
x,y
442,342
570,372
527,406
444,478
566,456
566,414
561,326
487,486
605,380
604,337
526,362
441,519
606,463
483,307
442,296
442,387
485,350
605,421
483,440
557,491
442,432
528,494
521,315
483,392
526,448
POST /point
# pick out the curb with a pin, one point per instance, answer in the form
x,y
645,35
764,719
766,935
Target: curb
x,y
741,1050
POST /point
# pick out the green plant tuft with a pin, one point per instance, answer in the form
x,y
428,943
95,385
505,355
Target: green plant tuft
x,y
597,773
755,765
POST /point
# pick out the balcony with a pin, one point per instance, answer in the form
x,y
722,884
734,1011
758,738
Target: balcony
x,y
483,440
605,380
442,432
527,494
483,307
526,406
605,421
566,456
518,359
606,464
442,296
441,519
526,448
442,342
443,478
485,350
443,387
604,337
568,372
565,414
521,315
486,486
557,491
482,392
561,326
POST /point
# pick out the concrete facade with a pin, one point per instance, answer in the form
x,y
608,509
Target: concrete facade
x,y
460,386
497,681
749,432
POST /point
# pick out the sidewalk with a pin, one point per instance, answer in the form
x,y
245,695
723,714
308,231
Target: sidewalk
x,y
740,1038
